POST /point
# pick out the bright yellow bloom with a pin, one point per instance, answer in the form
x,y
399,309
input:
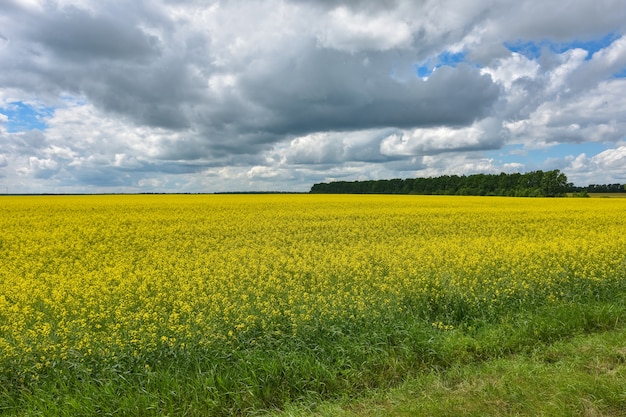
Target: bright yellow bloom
x,y
105,276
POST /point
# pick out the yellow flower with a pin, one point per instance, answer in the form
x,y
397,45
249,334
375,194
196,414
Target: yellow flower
x,y
93,277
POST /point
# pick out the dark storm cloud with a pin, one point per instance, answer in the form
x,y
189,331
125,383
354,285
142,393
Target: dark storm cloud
x,y
332,90
79,35
159,97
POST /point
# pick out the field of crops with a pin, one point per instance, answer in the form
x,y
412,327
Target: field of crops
x,y
258,300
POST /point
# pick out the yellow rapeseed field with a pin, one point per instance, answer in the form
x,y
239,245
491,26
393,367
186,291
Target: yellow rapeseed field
x,y
91,279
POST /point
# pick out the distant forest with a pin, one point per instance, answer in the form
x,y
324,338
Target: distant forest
x,y
532,184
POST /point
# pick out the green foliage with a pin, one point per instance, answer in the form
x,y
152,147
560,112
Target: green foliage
x,y
598,188
532,184
606,188
329,363
578,376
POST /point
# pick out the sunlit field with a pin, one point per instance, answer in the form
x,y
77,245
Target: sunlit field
x,y
220,304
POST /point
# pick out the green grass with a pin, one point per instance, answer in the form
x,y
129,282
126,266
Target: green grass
x,y
583,375
554,360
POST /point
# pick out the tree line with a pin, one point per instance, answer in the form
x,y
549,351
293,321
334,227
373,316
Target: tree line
x,y
600,188
532,184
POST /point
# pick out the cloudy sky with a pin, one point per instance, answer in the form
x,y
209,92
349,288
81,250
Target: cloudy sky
x,y
206,96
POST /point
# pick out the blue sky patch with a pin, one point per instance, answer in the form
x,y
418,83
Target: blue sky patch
x,y
574,149
532,49
450,59
24,117
423,70
446,58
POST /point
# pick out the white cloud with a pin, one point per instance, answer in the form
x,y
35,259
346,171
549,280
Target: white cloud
x,y
613,57
41,168
512,68
434,140
35,5
612,159
151,183
262,172
570,61
121,160
607,167
332,147
354,32
595,115
463,164
603,64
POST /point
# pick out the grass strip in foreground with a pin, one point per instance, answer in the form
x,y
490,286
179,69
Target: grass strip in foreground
x,y
580,376
521,365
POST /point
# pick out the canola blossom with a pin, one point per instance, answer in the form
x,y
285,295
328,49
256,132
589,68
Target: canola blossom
x,y
96,281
